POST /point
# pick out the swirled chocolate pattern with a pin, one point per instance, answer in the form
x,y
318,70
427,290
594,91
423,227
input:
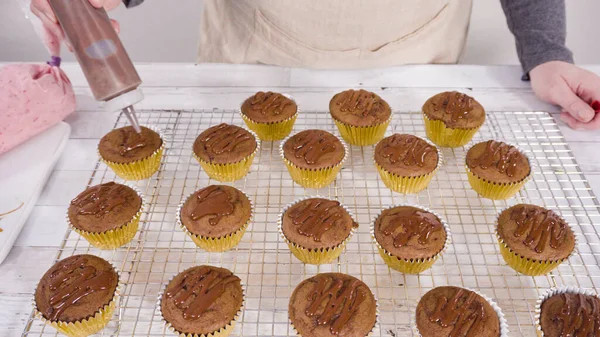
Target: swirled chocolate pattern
x,y
404,223
359,102
457,105
317,217
498,155
269,103
101,199
406,149
212,201
198,289
131,140
539,227
579,315
312,145
463,312
224,138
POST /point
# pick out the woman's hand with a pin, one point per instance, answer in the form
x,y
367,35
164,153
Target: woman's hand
x,y
571,88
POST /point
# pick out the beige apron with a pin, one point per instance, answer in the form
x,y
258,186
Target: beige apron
x,y
333,33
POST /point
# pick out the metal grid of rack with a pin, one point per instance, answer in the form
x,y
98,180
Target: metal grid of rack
x,y
269,271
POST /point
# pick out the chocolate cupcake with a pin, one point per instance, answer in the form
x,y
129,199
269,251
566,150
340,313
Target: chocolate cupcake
x,y
132,155
316,229
409,238
452,118
106,215
313,157
454,311
78,295
361,116
215,217
568,311
226,151
202,301
271,115
497,170
406,163
534,240
333,304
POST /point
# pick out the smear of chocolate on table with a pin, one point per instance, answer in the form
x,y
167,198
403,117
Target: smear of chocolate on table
x,y
11,211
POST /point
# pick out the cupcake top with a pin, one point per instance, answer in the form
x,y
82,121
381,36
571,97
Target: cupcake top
x,y
76,288
317,223
498,162
215,211
269,107
406,155
359,108
570,314
536,233
124,145
314,149
455,109
410,233
201,300
454,311
224,144
333,304
104,207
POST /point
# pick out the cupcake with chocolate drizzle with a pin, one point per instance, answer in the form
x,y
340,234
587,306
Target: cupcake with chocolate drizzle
x,y
316,229
534,240
132,155
226,151
106,215
568,311
453,311
406,163
270,114
215,217
452,118
202,301
78,295
332,304
361,116
497,170
313,157
410,238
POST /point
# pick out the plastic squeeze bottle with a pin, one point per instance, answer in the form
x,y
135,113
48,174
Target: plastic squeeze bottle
x,y
103,59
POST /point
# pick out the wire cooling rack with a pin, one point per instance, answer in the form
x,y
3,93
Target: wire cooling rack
x,y
269,271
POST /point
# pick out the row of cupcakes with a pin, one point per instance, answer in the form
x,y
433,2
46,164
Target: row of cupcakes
x,y
78,296
532,239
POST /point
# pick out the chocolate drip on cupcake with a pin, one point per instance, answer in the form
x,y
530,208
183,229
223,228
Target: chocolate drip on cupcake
x,y
455,104
316,217
313,145
498,155
359,102
199,288
579,315
269,103
539,227
131,140
407,149
224,138
101,199
212,201
464,312
405,223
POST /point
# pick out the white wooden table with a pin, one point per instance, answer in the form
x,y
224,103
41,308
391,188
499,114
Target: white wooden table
x,y
187,86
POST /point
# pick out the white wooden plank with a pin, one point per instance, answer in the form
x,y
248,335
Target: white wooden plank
x,y
23,268
63,186
14,313
45,227
586,154
80,154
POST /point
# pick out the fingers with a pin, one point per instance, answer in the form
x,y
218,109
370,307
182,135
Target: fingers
x,y
573,123
569,101
107,4
116,25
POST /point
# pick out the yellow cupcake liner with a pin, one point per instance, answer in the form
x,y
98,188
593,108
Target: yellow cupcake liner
x,y
362,135
369,334
230,171
408,185
410,266
139,169
222,332
550,293
312,178
443,136
504,331
314,256
272,130
113,238
218,244
90,325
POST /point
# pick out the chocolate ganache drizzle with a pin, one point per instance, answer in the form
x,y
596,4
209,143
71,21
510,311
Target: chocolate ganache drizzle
x,y
359,102
101,199
408,149
269,103
72,282
412,223
463,312
500,155
455,104
131,140
199,288
342,299
317,217
212,201
313,146
579,316
224,138
539,227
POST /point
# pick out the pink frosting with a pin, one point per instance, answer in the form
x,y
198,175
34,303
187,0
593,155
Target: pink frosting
x,y
33,98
